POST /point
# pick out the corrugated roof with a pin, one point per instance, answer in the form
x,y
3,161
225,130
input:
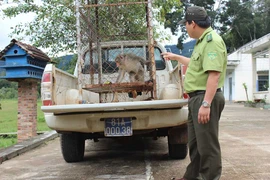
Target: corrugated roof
x,y
34,52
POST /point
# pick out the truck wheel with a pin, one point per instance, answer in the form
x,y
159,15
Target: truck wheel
x,y
177,142
177,151
72,146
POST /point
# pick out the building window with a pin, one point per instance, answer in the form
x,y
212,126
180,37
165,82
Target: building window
x,y
263,82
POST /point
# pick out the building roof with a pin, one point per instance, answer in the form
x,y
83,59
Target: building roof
x,y
34,52
257,47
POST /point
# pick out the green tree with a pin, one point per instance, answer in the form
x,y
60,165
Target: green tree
x,y
4,83
241,21
238,25
245,87
172,18
263,16
8,93
65,64
8,84
238,21
54,25
8,89
72,64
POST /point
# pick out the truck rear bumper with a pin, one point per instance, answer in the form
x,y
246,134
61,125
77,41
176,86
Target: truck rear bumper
x,y
119,106
91,122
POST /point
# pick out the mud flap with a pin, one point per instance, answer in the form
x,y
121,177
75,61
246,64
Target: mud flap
x,y
178,135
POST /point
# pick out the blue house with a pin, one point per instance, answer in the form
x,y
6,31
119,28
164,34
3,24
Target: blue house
x,y
19,61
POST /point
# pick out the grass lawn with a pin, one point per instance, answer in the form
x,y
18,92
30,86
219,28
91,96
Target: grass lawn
x,y
8,121
7,141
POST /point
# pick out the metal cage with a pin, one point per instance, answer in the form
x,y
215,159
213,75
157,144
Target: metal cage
x,y
106,29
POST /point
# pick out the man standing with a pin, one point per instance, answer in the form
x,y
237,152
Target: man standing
x,y
203,81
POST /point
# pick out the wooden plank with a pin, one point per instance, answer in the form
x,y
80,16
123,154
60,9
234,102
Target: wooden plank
x,y
119,87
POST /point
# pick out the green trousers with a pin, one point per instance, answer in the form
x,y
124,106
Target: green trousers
x,y
203,142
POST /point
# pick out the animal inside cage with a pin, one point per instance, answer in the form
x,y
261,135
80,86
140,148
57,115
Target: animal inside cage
x,y
116,49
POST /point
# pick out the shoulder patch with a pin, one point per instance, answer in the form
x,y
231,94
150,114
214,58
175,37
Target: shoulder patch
x,y
209,37
212,55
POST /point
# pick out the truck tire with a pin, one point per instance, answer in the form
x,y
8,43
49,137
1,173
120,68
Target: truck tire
x,y
72,146
177,142
177,151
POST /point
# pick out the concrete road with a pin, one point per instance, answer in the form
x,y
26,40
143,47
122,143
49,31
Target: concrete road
x,y
244,137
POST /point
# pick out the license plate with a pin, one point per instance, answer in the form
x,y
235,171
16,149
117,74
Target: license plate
x,y
118,126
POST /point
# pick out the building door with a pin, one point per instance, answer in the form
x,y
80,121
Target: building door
x,y
230,89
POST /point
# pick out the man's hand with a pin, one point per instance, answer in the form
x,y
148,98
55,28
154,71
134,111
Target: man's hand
x,y
169,56
203,115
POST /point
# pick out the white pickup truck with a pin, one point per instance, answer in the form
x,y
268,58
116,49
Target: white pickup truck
x,y
79,106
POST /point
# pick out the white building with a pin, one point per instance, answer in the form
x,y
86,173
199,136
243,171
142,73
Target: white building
x,y
250,64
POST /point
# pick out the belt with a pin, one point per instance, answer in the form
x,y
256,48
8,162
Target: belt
x,y
195,93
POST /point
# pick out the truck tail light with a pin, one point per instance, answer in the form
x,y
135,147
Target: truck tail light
x,y
46,89
46,77
185,95
47,102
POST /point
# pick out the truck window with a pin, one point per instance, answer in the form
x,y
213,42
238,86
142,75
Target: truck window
x,y
160,62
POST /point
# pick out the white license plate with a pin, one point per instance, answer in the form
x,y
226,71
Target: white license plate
x,y
121,126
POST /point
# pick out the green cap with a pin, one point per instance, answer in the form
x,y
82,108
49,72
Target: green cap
x,y
194,13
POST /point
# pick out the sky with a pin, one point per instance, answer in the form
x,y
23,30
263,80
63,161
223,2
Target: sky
x,y
5,29
6,24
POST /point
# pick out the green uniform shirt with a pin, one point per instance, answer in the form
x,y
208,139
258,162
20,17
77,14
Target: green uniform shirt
x,y
209,54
